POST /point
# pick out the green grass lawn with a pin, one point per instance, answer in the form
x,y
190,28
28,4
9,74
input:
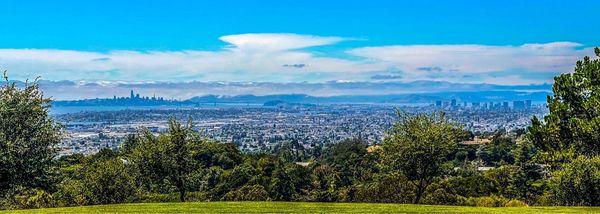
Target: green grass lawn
x,y
298,207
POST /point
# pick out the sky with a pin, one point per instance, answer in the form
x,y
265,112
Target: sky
x,y
284,41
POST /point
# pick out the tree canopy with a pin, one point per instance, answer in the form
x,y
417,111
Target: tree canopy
x,y
28,136
418,146
572,126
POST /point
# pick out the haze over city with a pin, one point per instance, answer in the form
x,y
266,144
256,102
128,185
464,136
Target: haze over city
x,y
96,49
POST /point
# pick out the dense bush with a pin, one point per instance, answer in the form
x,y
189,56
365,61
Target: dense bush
x,y
248,193
101,182
486,201
515,203
25,198
577,183
385,188
27,138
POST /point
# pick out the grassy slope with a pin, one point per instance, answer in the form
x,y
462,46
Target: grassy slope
x,y
298,207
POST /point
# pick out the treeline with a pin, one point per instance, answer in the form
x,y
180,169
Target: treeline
x,y
556,161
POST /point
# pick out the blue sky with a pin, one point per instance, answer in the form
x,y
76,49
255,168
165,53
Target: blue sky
x,y
500,42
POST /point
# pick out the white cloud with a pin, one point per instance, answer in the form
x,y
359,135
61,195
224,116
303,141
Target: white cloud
x,y
418,60
277,41
263,58
249,57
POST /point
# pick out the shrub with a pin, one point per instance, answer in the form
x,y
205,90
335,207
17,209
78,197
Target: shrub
x,y
486,201
443,197
577,183
109,182
101,182
72,193
144,197
23,198
248,193
515,203
196,196
386,188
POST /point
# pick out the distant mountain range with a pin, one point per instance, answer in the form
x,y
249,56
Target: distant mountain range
x,y
79,90
481,96
260,92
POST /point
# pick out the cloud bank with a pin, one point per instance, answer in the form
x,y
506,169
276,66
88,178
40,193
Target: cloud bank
x,y
71,90
279,57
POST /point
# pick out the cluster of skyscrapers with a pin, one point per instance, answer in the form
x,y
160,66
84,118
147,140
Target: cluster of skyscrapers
x,y
517,104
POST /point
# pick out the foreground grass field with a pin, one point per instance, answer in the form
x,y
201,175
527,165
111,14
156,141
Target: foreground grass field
x,y
298,207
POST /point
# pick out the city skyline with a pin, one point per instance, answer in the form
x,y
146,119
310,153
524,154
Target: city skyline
x,y
502,43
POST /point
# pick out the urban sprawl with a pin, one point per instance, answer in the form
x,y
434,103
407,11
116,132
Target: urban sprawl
x,y
260,127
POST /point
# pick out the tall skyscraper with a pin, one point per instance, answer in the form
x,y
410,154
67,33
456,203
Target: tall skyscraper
x,y
528,104
519,104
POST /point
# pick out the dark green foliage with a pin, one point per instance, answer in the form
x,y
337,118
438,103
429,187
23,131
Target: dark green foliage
x,y
325,183
577,183
573,126
290,151
350,160
233,179
27,138
384,188
569,137
281,187
130,143
248,193
98,181
499,152
170,159
25,198
418,147
464,153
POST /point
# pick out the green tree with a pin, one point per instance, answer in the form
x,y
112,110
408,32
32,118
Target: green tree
x,y
325,184
350,159
28,136
281,187
173,157
385,188
108,181
499,152
572,127
577,183
98,181
418,146
150,158
130,143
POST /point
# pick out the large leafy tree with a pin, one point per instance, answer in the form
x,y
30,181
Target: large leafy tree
x,y
171,157
577,183
572,127
569,137
418,146
350,159
28,136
